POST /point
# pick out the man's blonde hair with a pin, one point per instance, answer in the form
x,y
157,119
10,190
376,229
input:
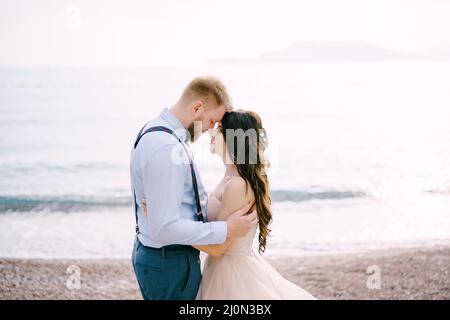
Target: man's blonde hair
x,y
207,87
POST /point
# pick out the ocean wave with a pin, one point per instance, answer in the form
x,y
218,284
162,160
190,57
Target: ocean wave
x,y
439,191
69,203
64,203
301,196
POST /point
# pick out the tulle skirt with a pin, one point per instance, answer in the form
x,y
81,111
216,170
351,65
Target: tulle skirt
x,y
246,277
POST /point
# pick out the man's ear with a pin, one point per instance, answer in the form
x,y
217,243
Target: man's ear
x,y
198,107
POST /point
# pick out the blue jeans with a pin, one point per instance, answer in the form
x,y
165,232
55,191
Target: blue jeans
x,y
167,274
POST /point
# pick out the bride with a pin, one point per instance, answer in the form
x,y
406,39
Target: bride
x,y
233,270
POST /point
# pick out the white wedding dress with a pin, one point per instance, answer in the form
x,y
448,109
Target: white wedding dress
x,y
241,273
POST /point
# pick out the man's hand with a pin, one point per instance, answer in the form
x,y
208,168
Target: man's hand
x,y
239,224
144,205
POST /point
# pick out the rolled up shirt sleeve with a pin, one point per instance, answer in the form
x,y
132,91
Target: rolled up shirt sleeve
x,y
164,183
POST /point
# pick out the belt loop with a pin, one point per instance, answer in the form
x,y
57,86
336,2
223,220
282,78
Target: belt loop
x,y
163,252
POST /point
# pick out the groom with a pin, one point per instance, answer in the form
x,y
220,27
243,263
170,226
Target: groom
x,y
164,174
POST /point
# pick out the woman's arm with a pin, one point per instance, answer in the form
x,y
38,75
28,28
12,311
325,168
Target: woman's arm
x,y
232,201
235,196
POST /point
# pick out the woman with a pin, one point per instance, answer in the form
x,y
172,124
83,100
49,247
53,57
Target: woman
x,y
232,269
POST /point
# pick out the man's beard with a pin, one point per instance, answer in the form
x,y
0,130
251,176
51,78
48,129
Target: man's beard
x,y
194,135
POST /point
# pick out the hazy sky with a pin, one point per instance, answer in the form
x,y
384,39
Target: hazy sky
x,y
191,32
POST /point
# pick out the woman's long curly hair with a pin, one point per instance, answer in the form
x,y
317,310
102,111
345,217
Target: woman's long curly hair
x,y
246,150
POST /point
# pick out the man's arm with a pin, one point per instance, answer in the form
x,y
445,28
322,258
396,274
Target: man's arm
x,y
163,188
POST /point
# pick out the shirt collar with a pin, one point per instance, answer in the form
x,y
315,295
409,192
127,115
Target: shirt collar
x,y
176,125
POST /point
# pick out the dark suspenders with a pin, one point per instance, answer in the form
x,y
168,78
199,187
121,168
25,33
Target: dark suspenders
x,y
191,163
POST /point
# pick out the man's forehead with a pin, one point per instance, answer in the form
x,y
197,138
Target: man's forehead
x,y
220,112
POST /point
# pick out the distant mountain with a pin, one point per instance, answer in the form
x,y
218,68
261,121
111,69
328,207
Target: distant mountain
x,y
439,53
332,52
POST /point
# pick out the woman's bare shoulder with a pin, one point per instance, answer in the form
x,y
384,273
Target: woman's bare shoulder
x,y
237,188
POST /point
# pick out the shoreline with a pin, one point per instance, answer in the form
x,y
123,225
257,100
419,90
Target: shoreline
x,y
407,273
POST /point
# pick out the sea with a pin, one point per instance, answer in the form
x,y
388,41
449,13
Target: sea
x,y
359,153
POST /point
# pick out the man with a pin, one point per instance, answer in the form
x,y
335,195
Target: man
x,y
163,173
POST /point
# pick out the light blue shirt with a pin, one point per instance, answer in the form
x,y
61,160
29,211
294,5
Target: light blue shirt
x,y
160,172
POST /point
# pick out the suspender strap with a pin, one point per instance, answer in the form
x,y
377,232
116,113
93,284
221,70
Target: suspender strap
x,y
200,216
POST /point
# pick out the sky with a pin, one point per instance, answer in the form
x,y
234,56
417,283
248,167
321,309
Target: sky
x,y
193,32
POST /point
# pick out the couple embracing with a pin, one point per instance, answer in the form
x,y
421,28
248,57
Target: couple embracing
x,y
176,218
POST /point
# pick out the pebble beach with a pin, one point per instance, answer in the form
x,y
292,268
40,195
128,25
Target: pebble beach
x,y
420,273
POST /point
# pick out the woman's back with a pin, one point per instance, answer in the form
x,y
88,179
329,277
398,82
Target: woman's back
x,y
241,272
242,245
